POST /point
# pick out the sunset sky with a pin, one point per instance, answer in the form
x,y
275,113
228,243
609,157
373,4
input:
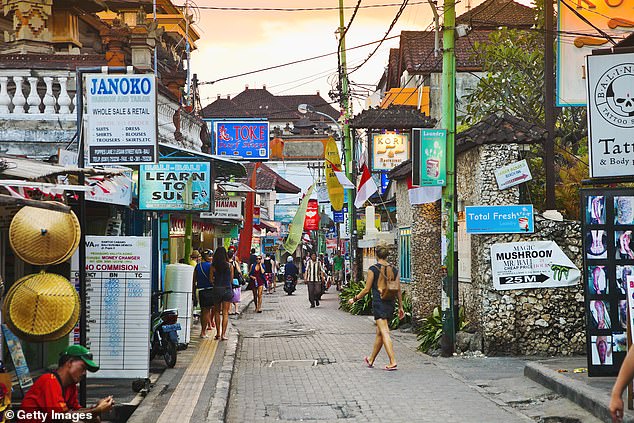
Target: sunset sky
x,y
233,42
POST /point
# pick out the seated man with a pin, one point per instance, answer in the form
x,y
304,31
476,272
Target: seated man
x,y
54,395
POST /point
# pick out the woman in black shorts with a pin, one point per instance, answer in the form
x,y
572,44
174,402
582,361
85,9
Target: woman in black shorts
x,y
383,310
222,292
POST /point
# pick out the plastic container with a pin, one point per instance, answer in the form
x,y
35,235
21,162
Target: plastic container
x,y
178,278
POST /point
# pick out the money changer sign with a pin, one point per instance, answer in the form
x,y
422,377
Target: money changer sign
x,y
535,264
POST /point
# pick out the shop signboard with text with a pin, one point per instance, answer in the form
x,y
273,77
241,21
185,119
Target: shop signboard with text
x,y
389,150
311,221
429,158
285,213
174,186
226,208
242,139
610,114
121,121
512,174
511,219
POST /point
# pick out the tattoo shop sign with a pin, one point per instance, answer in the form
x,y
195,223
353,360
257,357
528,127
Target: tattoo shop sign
x,y
535,264
610,114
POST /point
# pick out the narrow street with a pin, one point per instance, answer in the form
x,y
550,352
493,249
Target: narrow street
x,y
296,363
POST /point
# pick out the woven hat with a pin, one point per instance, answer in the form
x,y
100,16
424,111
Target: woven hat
x,y
41,307
44,237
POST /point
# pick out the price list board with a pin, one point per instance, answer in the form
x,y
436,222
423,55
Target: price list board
x,y
118,288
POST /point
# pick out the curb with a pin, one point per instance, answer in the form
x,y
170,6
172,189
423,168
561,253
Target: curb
x,y
594,401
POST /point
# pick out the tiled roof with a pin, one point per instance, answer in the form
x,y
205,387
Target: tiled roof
x,y
268,179
496,13
260,103
417,52
500,129
394,117
393,75
402,171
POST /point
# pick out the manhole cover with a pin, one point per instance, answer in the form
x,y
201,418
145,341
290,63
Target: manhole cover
x,y
293,363
307,412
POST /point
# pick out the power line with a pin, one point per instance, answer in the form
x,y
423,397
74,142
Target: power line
x,y
298,9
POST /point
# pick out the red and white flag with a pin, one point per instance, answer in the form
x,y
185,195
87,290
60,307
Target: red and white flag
x,y
367,187
422,195
341,177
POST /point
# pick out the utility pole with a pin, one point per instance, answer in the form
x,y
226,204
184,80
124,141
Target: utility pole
x,y
347,144
448,339
549,104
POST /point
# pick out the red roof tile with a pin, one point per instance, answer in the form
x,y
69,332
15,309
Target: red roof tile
x,y
268,179
497,13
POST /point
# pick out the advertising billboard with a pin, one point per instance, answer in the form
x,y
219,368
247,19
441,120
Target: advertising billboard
x,y
242,139
175,186
389,150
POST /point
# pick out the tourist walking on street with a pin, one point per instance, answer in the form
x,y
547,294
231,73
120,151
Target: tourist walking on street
x,y
202,279
337,265
269,273
257,283
314,278
626,374
383,310
222,291
236,282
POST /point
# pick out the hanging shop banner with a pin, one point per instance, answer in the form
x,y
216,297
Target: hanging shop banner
x,y
607,222
284,213
515,219
311,222
114,190
335,190
429,158
385,182
610,115
174,186
533,264
513,174
118,284
226,208
226,231
389,150
256,215
242,139
582,23
121,122
14,346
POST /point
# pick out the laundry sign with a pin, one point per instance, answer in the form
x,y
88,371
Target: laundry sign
x,y
534,264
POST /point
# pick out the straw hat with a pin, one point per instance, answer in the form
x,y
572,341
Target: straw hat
x,y
44,237
41,307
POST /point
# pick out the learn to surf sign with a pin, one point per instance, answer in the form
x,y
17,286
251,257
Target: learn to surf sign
x,y
534,264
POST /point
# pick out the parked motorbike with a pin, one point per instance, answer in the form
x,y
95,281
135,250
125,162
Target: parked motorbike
x,y
290,285
164,332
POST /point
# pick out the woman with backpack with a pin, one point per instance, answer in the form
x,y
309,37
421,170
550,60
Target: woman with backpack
x,y
382,280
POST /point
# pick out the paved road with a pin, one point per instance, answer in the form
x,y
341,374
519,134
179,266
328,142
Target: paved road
x,y
296,363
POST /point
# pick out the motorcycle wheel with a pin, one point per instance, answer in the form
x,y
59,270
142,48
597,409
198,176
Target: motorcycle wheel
x,y
155,347
170,353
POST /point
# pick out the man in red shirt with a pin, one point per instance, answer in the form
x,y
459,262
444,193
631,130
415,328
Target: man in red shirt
x,y
54,395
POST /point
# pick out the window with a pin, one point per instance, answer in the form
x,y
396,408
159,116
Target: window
x,y
404,250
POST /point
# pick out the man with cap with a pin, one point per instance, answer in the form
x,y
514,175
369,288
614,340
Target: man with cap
x,y
56,392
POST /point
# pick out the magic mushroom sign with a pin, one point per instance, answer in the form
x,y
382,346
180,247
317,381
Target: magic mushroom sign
x,y
611,114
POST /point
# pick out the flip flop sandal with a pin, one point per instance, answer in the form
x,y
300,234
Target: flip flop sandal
x,y
367,362
390,369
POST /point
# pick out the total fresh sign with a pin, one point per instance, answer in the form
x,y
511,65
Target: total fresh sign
x,y
242,139
499,219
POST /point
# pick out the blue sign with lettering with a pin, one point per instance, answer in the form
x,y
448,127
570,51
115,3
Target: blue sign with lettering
x,y
515,219
337,216
242,139
385,181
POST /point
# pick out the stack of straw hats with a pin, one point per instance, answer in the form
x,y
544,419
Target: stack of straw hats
x,y
45,306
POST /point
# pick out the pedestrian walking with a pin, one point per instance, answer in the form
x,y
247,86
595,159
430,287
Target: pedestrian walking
x,y
626,374
257,283
383,310
337,265
314,277
202,279
222,292
236,282
269,273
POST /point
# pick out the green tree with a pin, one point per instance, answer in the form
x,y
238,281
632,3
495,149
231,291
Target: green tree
x,y
513,83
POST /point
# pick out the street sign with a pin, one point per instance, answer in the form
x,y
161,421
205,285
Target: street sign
x,y
513,174
534,264
511,219
429,158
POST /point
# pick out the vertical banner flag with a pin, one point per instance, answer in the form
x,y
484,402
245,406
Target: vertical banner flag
x,y
335,190
311,222
296,228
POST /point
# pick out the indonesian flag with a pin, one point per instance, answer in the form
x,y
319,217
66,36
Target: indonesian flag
x,y
341,177
367,187
422,195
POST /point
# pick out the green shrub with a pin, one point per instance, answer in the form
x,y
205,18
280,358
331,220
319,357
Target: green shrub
x,y
407,308
363,306
430,329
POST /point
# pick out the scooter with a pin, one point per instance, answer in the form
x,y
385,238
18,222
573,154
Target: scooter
x,y
164,332
290,285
